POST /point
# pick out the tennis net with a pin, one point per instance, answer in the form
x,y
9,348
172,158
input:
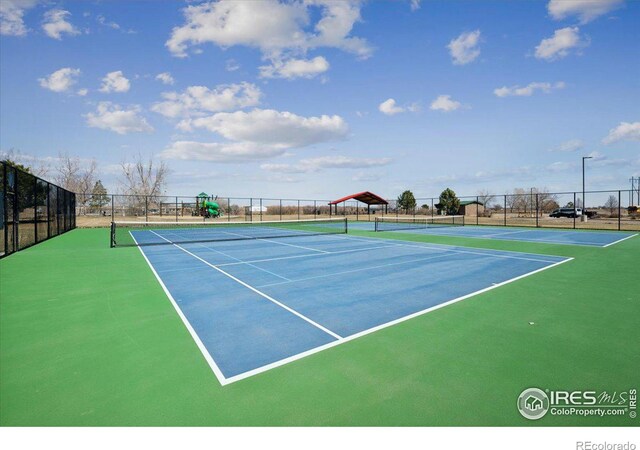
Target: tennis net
x,y
412,223
157,233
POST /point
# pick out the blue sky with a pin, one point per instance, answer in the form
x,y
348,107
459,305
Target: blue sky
x,y
320,99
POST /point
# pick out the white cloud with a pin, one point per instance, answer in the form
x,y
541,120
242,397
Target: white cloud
x,y
271,26
415,5
327,162
390,108
165,78
585,10
626,131
560,44
55,24
269,127
115,82
295,68
109,116
568,146
102,20
367,176
61,80
231,65
464,49
12,16
82,92
528,90
445,103
220,152
197,100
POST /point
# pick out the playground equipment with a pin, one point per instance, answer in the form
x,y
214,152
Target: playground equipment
x,y
207,208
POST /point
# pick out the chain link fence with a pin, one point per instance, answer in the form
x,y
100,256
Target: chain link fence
x,y
605,210
32,210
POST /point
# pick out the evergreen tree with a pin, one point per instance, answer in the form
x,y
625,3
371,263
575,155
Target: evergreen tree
x,y
406,201
99,196
449,202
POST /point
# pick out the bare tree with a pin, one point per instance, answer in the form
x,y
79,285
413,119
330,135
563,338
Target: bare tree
x,y
519,200
37,166
547,202
485,197
612,205
76,176
144,178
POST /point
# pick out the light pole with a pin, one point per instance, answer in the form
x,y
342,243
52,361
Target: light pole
x,y
584,203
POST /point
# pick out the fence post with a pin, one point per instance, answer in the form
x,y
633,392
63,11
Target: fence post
x,y
48,210
146,208
35,209
505,210
574,212
228,209
477,210
298,209
176,209
537,215
280,209
619,210
260,210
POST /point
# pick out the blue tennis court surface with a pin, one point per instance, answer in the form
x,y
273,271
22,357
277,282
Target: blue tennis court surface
x,y
256,304
546,235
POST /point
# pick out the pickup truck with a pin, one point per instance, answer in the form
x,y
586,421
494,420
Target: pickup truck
x,y
572,212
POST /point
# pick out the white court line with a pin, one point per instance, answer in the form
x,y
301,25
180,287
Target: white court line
x,y
282,362
262,294
505,232
537,241
276,242
444,247
306,255
247,263
207,356
225,381
620,240
357,270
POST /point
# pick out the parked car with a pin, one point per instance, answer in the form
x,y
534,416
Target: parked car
x,y
566,212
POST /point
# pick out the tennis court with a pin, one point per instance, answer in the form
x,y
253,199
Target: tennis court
x,y
446,227
257,296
